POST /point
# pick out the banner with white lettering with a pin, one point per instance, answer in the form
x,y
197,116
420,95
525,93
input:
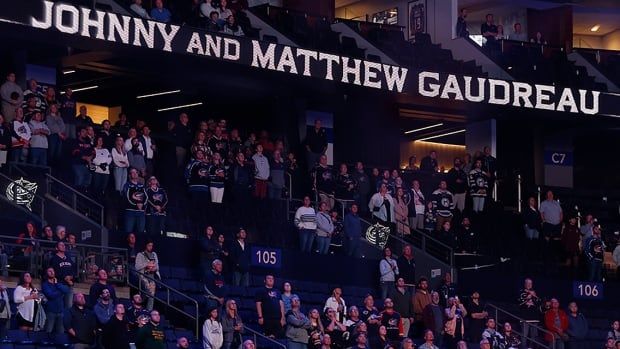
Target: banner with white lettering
x,y
124,30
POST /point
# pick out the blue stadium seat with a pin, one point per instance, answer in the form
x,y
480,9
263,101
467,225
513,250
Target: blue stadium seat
x,y
17,336
24,346
6,346
170,336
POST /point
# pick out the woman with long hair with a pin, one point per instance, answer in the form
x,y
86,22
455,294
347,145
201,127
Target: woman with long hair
x,y
316,329
27,299
287,294
200,143
101,162
212,336
121,164
232,326
401,213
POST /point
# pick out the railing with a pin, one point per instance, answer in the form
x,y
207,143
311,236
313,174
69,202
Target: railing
x,y
509,317
426,243
38,252
75,200
135,283
22,196
263,337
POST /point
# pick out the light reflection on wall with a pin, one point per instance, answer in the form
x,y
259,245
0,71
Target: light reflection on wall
x,y
445,152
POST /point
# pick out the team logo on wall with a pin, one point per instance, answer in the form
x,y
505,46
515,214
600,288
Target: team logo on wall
x,y
378,235
22,192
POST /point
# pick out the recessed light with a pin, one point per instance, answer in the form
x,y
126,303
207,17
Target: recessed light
x,y
595,28
68,72
423,128
180,106
158,94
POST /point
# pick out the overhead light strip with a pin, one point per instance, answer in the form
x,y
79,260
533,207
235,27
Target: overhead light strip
x,y
81,89
423,128
158,94
442,135
66,72
180,106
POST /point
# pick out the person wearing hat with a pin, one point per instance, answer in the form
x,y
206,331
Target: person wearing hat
x,y
240,258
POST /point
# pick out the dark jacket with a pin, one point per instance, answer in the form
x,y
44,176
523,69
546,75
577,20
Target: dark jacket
x,y
240,257
406,269
5,136
83,322
402,302
577,327
116,334
532,218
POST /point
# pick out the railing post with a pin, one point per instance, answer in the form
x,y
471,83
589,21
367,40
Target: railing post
x,y
74,201
519,198
538,193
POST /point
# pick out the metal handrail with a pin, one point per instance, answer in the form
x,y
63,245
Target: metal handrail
x,y
256,333
167,300
522,321
51,179
290,185
425,237
84,250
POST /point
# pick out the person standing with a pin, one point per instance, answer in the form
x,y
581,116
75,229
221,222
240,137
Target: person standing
x,y
316,144
556,322
305,221
97,288
382,207
324,181
388,270
478,186
82,156
421,299
577,328
594,251
261,164
240,258
58,134
457,183
80,323
352,231
151,335
121,164
38,141
433,318
401,297
101,163
5,314
297,326
147,264
116,332
324,228
12,97
270,309
156,199
443,204
212,334
232,326
429,162
68,111
416,206
148,145
363,186
461,25
455,325
65,269
135,203
20,137
182,136
55,293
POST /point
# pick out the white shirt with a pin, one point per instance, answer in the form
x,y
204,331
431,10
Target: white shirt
x,y
120,159
102,156
332,303
22,129
140,11
24,307
148,141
